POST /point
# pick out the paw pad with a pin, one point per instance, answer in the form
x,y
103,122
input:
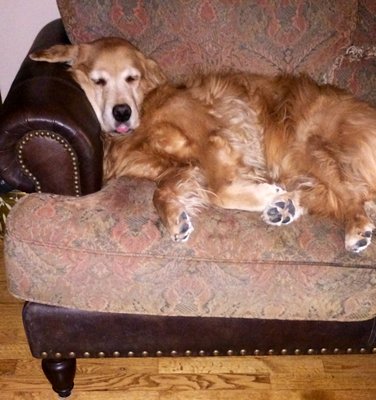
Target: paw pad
x,y
183,228
359,242
281,212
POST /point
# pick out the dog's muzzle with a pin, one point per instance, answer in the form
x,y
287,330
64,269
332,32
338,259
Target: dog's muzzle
x,y
121,112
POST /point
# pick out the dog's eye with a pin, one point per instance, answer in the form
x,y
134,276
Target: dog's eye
x,y
131,79
100,81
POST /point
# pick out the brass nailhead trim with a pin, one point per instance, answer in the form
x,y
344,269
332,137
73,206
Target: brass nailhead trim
x,y
60,140
202,353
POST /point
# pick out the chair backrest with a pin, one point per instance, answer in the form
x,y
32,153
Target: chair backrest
x,y
331,40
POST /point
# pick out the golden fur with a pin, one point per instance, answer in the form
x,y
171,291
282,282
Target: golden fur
x,y
235,140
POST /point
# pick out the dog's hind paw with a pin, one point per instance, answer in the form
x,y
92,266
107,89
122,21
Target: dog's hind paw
x,y
359,241
183,228
280,212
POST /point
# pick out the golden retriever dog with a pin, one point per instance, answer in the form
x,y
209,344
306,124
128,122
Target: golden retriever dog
x,y
283,145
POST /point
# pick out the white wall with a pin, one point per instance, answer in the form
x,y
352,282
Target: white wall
x,y
20,21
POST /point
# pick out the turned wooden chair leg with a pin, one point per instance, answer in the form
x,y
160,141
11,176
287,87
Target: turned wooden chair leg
x,y
61,374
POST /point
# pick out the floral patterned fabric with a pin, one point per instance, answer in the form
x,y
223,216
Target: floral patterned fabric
x,y
108,252
269,36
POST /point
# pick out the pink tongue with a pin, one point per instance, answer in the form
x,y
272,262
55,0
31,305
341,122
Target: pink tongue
x,y
122,128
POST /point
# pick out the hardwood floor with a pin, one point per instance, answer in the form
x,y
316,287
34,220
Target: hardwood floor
x,y
351,377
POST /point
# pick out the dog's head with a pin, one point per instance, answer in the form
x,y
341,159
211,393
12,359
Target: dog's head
x,y
114,75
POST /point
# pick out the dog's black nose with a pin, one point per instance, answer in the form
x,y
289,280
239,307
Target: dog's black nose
x,y
121,112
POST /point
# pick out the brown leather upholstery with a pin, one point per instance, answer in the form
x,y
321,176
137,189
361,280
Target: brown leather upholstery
x,y
68,123
56,332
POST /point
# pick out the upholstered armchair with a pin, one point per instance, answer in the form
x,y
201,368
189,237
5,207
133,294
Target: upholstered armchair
x,y
86,258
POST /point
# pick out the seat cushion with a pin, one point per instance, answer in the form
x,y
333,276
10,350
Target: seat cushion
x,y
108,252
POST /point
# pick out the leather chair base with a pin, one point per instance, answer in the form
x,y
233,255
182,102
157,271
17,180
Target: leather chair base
x,y
60,335
56,332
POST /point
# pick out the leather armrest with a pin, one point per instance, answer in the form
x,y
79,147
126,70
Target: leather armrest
x,y
49,134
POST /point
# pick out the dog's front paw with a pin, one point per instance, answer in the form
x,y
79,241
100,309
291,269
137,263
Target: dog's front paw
x,y
183,228
359,241
280,212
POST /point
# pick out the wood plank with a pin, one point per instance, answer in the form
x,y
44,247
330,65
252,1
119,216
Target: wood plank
x,y
269,395
242,364
104,395
357,364
124,381
7,368
14,351
13,342
5,296
296,381
97,366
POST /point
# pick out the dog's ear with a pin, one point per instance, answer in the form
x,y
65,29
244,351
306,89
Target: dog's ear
x,y
57,54
154,76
